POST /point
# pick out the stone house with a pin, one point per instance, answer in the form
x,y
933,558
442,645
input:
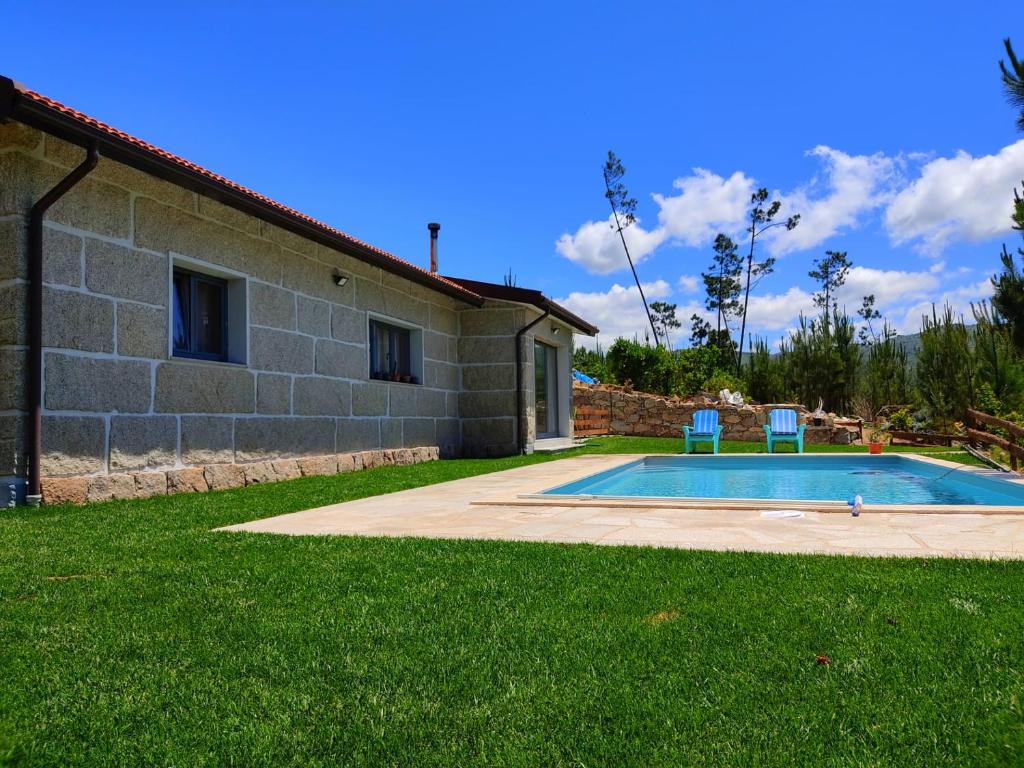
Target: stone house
x,y
163,328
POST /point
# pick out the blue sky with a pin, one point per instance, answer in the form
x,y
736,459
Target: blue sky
x,y
883,124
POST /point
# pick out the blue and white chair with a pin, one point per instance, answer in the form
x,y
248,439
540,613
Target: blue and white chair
x,y
705,429
782,428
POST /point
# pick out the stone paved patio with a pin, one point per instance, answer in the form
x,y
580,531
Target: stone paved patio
x,y
479,508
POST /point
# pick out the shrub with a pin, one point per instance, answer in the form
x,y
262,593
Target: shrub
x,y
720,380
648,369
590,362
694,366
901,420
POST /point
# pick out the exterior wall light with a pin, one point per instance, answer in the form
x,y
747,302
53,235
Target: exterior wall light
x,y
555,330
340,280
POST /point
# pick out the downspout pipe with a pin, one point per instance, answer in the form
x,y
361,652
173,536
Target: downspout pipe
x,y
520,437
35,316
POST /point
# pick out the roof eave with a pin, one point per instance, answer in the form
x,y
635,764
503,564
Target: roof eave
x,y
528,296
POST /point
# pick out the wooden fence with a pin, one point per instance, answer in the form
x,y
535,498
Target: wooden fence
x,y
921,438
590,421
1015,451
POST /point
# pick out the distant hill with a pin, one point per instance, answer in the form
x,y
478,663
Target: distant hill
x,y
911,344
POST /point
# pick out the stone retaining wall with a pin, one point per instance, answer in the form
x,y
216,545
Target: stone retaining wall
x,y
640,414
220,477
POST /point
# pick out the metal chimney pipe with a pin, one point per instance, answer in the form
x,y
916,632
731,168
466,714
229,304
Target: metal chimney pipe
x,y
434,229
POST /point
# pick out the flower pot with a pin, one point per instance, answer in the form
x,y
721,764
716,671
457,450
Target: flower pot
x,y
875,448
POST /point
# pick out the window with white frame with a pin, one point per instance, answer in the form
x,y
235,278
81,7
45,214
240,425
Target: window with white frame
x,y
395,352
209,318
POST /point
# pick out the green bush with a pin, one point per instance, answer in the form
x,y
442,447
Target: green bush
x,y
662,372
694,366
590,362
901,420
647,369
720,380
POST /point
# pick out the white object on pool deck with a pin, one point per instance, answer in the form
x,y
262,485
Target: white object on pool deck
x,y
782,513
856,504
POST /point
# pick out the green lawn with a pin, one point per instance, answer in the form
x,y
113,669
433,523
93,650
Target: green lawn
x,y
132,635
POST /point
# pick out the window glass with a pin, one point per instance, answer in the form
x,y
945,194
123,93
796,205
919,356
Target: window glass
x,y
200,316
390,352
209,317
182,311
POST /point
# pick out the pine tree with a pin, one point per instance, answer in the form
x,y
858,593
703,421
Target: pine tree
x,y
761,220
1013,81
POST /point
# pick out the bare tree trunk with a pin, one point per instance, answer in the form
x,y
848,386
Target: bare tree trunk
x,y
746,298
636,277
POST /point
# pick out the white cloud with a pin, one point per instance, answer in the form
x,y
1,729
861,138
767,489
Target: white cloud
x,y
777,311
957,198
620,312
852,186
959,298
688,283
706,205
894,291
890,287
597,248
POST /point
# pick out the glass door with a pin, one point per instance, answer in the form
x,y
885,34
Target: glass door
x,y
545,369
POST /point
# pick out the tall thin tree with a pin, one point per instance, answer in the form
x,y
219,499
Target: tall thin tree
x,y
624,213
830,271
722,281
665,320
762,218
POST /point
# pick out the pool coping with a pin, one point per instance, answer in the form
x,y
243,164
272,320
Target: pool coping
x,y
537,497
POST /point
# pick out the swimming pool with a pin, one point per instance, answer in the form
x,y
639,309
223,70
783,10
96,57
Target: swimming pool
x,y
880,480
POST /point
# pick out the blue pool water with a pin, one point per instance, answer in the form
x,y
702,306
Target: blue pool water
x,y
878,480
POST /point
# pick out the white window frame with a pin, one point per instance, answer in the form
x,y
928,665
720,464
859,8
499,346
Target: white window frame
x,y
415,345
238,309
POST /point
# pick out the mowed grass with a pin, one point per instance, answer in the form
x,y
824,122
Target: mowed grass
x,y
131,634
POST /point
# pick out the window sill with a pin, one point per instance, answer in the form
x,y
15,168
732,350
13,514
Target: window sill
x,y
206,361
398,383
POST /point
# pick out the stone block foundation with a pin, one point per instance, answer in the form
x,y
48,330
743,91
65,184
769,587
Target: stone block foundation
x,y
216,477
